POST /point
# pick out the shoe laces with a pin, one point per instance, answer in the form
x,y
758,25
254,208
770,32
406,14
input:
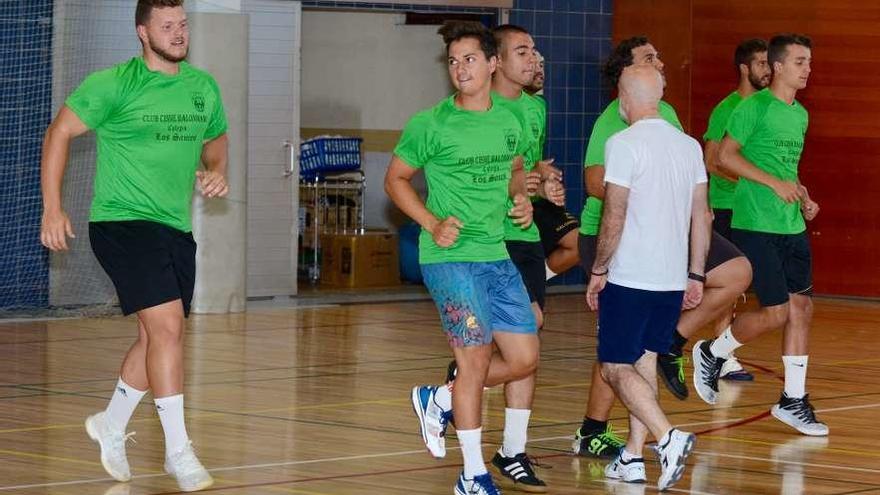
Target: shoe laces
x,y
802,409
120,438
186,461
712,369
483,484
608,436
445,418
528,462
679,362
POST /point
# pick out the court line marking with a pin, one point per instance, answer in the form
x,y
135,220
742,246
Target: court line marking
x,y
793,463
673,489
290,463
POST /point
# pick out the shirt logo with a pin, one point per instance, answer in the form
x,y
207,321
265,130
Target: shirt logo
x,y
198,102
510,138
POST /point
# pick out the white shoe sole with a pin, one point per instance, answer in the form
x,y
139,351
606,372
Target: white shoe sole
x,y
775,411
698,364
201,486
90,429
417,408
679,468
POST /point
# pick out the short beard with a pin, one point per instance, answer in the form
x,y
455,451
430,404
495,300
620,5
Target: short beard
x,y
164,55
756,82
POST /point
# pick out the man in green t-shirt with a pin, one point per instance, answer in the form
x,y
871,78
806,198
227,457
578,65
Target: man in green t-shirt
x,y
470,148
155,118
750,61
763,145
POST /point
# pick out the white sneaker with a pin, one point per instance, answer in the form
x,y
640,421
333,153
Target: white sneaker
x,y
433,420
631,471
185,467
798,413
112,443
707,369
673,455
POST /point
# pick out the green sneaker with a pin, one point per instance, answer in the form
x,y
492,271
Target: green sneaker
x,y
603,444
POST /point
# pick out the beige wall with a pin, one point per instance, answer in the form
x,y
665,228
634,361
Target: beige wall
x,y
364,70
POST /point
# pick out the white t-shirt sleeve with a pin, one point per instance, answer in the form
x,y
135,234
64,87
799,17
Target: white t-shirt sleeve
x,y
620,163
700,176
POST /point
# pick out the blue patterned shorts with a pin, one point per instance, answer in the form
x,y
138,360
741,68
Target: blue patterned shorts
x,y
477,298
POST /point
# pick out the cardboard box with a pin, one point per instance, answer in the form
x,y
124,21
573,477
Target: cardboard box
x,y
359,260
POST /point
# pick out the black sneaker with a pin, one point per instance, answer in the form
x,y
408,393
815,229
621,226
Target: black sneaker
x,y
671,368
517,473
451,371
603,444
707,369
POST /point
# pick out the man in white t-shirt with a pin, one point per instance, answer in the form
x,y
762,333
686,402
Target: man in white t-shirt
x,y
655,207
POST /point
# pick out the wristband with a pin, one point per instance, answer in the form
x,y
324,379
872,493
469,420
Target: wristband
x,y
697,277
599,274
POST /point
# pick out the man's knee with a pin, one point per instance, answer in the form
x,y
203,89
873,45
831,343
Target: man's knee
x,y
801,305
611,371
735,274
776,316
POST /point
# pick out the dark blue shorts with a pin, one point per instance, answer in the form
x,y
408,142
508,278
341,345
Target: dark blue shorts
x,y
476,299
632,321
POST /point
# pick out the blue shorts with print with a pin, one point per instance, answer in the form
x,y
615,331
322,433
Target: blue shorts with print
x,y
477,298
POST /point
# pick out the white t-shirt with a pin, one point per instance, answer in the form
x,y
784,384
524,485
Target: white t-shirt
x,y
660,166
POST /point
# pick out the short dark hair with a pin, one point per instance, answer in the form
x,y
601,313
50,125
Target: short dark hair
x,y
500,32
621,58
452,31
745,52
779,44
145,8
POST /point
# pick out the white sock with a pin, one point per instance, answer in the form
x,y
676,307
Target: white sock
x,y
626,456
472,453
548,272
516,426
123,403
724,345
171,415
443,397
795,375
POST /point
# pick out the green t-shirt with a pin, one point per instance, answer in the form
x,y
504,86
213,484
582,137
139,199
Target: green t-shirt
x,y
720,189
467,158
771,133
532,115
150,129
609,123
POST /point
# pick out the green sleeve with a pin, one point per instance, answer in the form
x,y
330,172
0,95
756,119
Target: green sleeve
x,y
715,129
417,143
743,121
217,125
596,146
95,98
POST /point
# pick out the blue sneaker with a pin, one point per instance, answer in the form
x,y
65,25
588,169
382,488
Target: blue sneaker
x,y
433,420
480,485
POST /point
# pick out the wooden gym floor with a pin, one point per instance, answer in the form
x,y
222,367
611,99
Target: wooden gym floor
x,y
315,400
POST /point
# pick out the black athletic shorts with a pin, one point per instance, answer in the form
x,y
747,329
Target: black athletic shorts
x,y
781,264
720,251
148,262
587,252
721,223
529,260
553,223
